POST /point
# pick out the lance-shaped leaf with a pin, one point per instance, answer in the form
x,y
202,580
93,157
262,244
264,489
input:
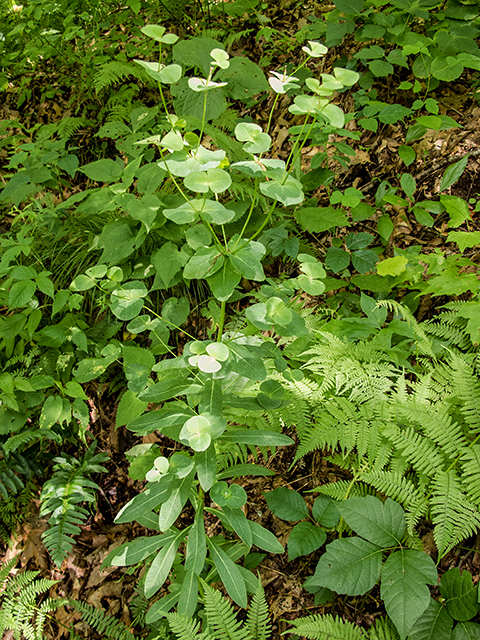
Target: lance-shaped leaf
x,y
206,465
153,496
265,539
239,523
404,590
131,553
188,599
160,567
381,524
171,508
350,566
229,574
196,545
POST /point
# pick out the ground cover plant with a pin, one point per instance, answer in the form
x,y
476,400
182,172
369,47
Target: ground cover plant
x,y
209,290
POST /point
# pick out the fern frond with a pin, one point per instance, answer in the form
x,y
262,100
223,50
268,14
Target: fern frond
x,y
394,485
471,472
453,515
327,627
341,488
424,456
258,619
61,496
183,627
221,616
436,423
111,628
28,437
466,386
384,629
405,313
109,73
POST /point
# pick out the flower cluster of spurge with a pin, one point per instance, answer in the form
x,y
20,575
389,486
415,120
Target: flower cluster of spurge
x,y
394,402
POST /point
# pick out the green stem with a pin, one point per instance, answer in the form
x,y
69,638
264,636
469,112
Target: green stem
x,y
221,323
260,229
252,206
300,147
277,96
159,83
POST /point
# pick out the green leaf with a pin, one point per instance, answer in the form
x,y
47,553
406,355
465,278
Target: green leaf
x,y
319,219
239,523
187,602
287,504
216,180
232,496
349,565
460,594
196,551
257,437
409,185
127,302
385,226
229,574
130,407
392,266
282,187
151,498
466,631
364,260
105,170
131,553
171,73
247,258
161,607
380,68
337,259
433,624
304,538
404,589
407,154
176,310
265,539
224,281
464,239
255,140
160,567
457,209
51,411
21,293
196,51
206,465
453,173
247,362
172,507
325,511
446,68
382,524
245,79
350,7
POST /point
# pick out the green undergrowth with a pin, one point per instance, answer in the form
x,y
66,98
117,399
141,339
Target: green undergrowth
x,y
226,293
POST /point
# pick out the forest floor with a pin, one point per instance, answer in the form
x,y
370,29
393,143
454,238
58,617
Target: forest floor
x,y
81,576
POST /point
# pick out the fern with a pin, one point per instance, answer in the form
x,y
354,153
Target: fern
x,y
412,439
102,622
19,611
109,73
327,627
454,516
258,619
61,497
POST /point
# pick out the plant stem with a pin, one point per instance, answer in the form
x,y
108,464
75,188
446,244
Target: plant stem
x,y
221,323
